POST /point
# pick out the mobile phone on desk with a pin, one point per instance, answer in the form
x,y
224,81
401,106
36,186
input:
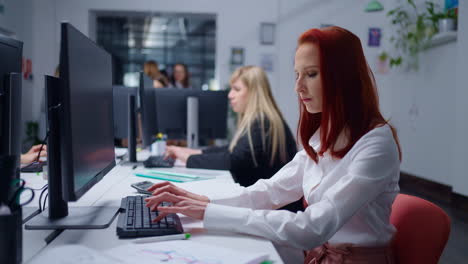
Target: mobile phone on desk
x,y
142,187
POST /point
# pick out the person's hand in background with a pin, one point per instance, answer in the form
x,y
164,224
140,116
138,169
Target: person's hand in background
x,y
180,153
33,154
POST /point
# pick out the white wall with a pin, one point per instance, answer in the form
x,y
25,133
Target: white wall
x,y
17,19
45,52
460,141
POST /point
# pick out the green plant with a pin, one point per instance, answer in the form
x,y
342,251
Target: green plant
x,y
32,133
414,31
383,56
436,14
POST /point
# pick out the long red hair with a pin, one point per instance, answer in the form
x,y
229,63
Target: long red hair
x,y
349,91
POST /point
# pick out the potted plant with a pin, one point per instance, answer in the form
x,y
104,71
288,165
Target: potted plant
x,y
382,63
442,21
413,34
32,133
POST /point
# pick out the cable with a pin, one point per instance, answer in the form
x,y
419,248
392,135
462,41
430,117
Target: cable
x,y
42,145
40,198
45,200
40,189
15,201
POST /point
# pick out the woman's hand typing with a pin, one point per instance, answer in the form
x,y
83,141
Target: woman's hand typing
x,y
183,201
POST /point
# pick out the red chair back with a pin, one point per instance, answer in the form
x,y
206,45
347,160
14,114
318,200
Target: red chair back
x,y
422,227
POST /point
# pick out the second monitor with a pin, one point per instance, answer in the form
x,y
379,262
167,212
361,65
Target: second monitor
x,y
174,109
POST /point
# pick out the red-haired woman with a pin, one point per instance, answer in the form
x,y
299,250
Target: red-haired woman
x,y
347,173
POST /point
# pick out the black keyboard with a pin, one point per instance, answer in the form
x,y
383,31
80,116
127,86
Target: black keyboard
x,y
135,220
158,162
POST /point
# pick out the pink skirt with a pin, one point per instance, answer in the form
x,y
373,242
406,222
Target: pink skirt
x,y
348,254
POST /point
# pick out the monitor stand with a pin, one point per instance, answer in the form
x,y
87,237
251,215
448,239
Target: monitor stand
x,y
192,122
130,158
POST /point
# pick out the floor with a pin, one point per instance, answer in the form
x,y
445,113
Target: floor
x,y
456,250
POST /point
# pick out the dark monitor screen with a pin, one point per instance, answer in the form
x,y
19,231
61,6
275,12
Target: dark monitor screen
x,y
10,97
147,109
212,114
10,52
121,94
171,112
87,130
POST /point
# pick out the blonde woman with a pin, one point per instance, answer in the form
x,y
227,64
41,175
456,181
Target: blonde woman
x,y
262,143
151,69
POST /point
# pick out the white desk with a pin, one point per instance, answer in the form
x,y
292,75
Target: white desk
x,y
116,185
33,240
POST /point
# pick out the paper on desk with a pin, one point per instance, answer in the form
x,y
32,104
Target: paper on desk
x,y
183,251
168,252
73,254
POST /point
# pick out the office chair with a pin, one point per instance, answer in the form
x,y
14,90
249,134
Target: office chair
x,y
422,227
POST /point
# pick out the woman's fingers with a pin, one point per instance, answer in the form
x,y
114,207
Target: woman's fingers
x,y
170,189
191,210
154,201
158,185
171,152
160,217
36,148
172,209
165,210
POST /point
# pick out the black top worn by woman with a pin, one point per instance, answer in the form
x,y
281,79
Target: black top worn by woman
x,y
240,161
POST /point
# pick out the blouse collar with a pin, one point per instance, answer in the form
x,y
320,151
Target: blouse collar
x,y
341,142
314,141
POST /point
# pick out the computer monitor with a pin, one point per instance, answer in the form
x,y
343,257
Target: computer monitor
x,y
81,139
147,110
171,112
121,94
10,115
10,96
212,112
172,118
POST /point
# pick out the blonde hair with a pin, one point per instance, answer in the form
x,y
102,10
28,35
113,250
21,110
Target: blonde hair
x,y
260,106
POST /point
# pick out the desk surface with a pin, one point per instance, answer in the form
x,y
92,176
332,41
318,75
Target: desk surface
x,y
110,190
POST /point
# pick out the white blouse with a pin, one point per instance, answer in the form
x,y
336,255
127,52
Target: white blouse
x,y
349,199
